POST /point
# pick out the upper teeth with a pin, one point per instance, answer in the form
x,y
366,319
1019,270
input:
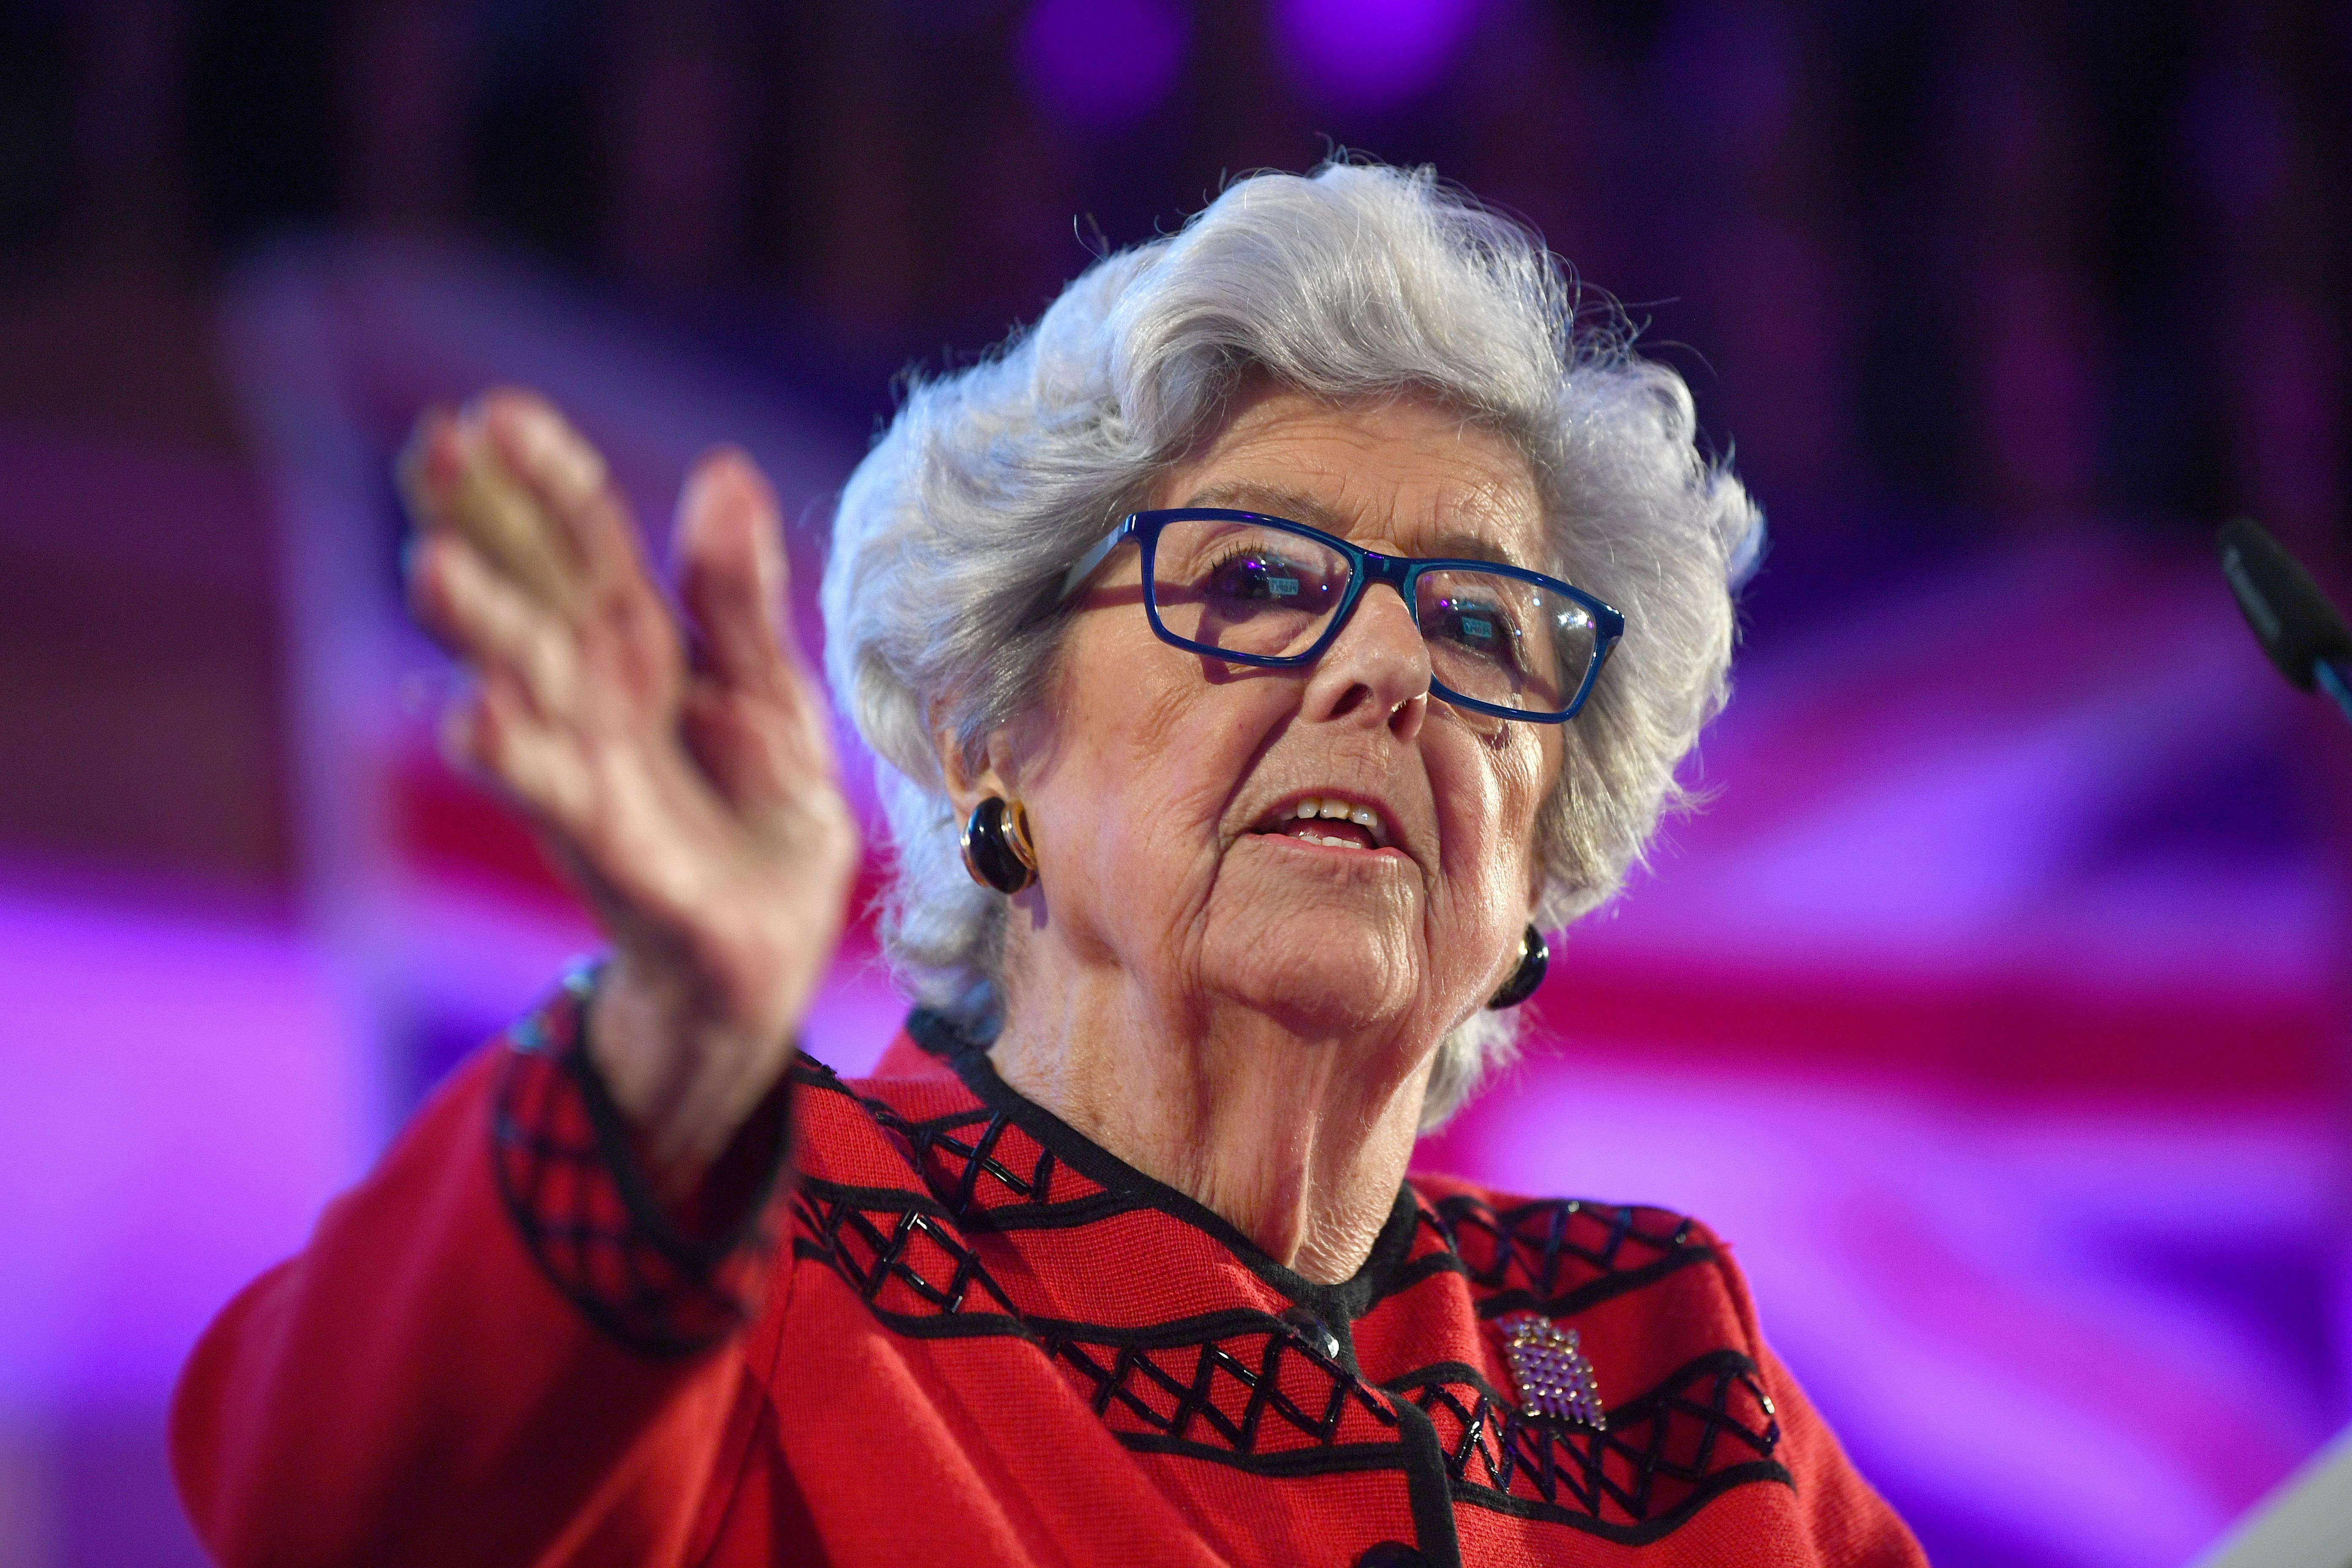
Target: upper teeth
x,y
1363,817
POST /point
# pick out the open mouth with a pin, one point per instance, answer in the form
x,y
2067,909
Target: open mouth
x,y
1332,821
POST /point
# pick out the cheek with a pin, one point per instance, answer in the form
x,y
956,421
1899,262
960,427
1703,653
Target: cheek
x,y
1488,793
1138,795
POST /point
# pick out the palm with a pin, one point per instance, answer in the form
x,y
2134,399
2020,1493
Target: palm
x,y
695,804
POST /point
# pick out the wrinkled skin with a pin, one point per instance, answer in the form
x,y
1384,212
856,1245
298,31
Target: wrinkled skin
x,y
697,810
1247,1017
1243,1013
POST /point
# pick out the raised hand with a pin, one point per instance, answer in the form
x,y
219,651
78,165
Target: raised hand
x,y
696,803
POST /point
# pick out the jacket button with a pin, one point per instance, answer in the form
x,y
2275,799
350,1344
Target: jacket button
x,y
1392,1554
1314,1333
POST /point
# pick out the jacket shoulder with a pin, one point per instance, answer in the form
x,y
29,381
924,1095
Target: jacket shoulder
x,y
925,1133
867,1132
1560,1255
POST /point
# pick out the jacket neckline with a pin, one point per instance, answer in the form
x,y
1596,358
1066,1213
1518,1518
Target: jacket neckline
x,y
1337,1304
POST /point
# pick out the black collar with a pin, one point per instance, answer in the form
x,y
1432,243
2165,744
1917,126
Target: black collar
x,y
1335,1304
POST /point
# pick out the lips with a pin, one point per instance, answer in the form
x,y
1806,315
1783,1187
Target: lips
x,y
1333,821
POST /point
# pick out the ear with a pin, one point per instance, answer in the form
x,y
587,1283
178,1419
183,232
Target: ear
x,y
968,785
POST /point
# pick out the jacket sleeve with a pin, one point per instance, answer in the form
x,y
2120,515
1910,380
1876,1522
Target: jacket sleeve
x,y
499,1348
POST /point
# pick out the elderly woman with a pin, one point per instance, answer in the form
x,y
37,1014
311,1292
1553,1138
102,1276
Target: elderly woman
x,y
1259,654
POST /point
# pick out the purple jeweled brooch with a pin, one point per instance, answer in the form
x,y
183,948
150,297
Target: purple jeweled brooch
x,y
1553,1376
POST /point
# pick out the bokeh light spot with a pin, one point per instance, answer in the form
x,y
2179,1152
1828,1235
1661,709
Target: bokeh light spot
x,y
1372,55
1104,64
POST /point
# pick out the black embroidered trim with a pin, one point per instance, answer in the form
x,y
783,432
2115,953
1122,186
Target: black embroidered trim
x,y
1430,1489
1230,1384
881,1240
1707,1427
1339,1458
1155,1397
1557,1256
966,1173
1522,1256
587,1211
1130,1189
1247,1390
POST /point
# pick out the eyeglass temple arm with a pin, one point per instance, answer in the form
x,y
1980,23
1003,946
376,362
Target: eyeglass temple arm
x,y
1093,558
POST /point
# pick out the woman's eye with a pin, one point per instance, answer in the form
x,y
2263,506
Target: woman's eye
x,y
1257,576
1481,628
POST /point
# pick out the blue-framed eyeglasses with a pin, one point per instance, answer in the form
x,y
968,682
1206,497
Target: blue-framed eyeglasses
x,y
1253,589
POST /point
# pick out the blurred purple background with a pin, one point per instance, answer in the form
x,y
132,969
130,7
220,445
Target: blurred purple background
x,y
1995,1005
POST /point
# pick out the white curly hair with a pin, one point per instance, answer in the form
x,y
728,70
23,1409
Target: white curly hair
x,y
1358,282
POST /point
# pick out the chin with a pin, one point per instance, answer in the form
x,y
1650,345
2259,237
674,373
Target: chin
x,y
1338,974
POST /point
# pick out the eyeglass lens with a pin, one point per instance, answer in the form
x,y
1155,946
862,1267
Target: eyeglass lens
x,y
1257,589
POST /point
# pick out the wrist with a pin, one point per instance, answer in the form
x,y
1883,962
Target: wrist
x,y
667,1274
682,1076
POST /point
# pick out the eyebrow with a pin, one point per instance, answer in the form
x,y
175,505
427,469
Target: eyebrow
x,y
1273,500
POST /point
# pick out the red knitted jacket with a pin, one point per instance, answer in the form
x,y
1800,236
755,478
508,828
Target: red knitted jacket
x,y
965,1336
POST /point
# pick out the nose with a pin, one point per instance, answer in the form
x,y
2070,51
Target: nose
x,y
1377,672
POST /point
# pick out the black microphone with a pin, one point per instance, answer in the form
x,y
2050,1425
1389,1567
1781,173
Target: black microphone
x,y
2303,633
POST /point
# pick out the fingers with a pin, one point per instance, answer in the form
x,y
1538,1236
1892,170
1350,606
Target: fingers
x,y
493,624
756,719
615,815
728,548
569,483
510,474
589,693
567,478
455,483
494,735
772,763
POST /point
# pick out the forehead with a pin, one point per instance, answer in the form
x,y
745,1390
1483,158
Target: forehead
x,y
1405,471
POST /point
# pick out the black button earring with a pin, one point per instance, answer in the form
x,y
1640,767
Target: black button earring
x,y
996,847
1535,957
